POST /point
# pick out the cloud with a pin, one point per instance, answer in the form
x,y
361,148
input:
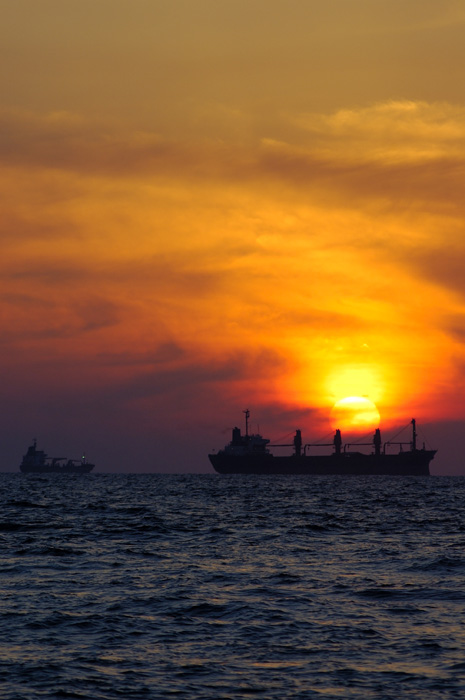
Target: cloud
x,y
394,131
172,373
401,149
391,132
455,325
436,261
247,364
41,317
221,244
67,141
168,352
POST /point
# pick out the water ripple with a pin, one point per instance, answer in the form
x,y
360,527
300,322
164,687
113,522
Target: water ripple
x,y
226,588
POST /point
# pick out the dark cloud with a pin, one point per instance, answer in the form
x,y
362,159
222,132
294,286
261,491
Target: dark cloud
x,y
442,265
64,141
30,318
165,353
96,313
317,318
30,225
48,273
455,325
388,186
252,365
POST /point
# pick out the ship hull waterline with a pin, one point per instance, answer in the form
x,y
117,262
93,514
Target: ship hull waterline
x,y
413,463
84,469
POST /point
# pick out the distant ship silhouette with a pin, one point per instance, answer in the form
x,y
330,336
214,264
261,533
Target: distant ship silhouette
x,y
249,454
37,462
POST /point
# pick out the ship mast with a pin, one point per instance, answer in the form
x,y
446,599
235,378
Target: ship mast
x,y
414,435
247,414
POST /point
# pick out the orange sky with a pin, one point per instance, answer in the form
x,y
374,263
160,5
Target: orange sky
x,y
208,206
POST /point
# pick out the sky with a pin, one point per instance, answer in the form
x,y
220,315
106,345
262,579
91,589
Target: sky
x,y
214,205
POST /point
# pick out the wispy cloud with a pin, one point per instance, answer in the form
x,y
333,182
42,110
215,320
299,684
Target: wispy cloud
x,y
392,132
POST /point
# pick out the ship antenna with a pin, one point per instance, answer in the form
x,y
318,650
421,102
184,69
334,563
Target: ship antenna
x,y
247,414
414,435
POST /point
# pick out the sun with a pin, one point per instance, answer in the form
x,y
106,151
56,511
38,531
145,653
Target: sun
x,y
355,414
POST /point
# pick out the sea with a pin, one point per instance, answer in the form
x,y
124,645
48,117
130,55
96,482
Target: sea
x,y
215,587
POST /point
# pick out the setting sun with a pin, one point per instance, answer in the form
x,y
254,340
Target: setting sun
x,y
355,414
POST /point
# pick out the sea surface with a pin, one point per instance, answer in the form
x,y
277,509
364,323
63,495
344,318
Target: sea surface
x,y
231,587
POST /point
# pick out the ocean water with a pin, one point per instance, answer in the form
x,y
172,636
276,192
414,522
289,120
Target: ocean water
x,y
231,587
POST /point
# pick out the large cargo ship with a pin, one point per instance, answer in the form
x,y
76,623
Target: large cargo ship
x,y
250,454
37,462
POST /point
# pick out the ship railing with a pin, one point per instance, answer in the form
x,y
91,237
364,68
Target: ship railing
x,y
348,445
308,444
399,444
284,444
317,444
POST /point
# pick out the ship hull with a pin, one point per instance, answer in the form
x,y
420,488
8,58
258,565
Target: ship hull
x,y
44,469
413,463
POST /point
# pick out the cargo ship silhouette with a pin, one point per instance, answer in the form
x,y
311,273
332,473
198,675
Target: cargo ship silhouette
x,y
37,462
250,454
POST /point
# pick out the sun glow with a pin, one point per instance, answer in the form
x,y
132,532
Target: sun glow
x,y
355,414
360,379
